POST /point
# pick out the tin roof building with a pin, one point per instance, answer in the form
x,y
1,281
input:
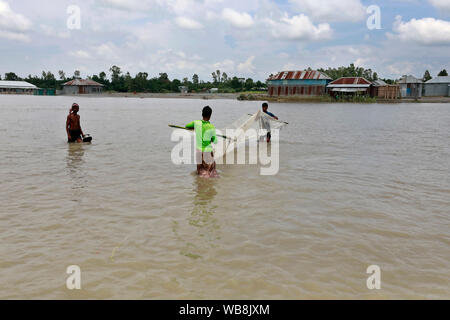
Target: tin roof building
x,y
381,89
410,87
291,83
350,86
79,86
437,87
17,87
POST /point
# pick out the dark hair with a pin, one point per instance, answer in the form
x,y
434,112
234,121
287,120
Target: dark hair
x,y
207,112
265,105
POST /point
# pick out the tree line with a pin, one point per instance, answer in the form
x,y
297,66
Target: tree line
x,y
142,82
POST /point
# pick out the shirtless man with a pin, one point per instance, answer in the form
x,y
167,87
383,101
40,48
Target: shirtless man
x,y
73,127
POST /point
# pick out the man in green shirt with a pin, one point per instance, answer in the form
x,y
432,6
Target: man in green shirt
x,y
205,134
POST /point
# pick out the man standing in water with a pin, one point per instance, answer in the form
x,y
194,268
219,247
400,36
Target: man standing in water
x,y
73,126
265,107
205,134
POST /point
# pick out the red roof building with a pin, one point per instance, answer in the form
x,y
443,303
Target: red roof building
x,y
351,85
79,86
306,82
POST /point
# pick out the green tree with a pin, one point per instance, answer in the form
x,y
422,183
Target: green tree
x,y
115,73
225,77
427,76
249,84
102,76
236,84
11,76
195,79
443,73
175,86
219,78
62,75
77,74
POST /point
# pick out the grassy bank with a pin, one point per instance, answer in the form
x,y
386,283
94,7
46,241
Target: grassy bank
x,y
304,99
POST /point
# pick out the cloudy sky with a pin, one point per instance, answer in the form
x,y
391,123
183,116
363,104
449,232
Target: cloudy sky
x,y
247,38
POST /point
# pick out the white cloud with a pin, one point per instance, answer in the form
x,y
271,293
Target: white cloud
x,y
239,20
247,67
13,26
443,5
107,51
331,10
187,23
14,36
427,31
49,31
226,66
129,5
299,28
81,54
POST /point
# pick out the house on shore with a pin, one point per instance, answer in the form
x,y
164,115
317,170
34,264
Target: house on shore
x,y
410,87
183,89
437,87
17,87
298,83
382,90
350,86
79,86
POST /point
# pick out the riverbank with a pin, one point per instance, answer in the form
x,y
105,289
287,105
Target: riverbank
x,y
257,97
264,97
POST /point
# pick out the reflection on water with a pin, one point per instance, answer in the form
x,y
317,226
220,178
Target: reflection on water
x,y
202,227
77,169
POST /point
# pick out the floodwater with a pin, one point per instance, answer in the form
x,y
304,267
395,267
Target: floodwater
x,y
358,185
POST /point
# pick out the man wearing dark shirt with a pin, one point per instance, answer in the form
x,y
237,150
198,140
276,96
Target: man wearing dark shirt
x,y
265,107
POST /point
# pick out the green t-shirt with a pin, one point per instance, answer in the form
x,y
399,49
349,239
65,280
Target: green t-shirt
x,y
205,133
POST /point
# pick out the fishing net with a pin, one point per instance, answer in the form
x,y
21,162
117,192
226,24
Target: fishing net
x,y
247,128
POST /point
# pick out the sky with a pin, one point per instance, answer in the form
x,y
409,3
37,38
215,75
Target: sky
x,y
244,38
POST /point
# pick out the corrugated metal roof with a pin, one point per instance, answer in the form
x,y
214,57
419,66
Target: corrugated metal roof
x,y
80,82
379,83
439,80
17,85
300,75
353,82
410,79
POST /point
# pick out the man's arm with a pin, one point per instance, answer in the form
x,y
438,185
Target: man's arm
x,y
191,125
79,124
214,137
273,116
68,127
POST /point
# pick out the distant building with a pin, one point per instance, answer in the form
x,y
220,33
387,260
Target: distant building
x,y
183,89
381,89
350,86
17,87
79,86
437,87
214,90
410,87
300,83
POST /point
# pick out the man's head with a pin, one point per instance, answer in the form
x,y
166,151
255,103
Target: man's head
x,y
265,106
75,108
207,113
